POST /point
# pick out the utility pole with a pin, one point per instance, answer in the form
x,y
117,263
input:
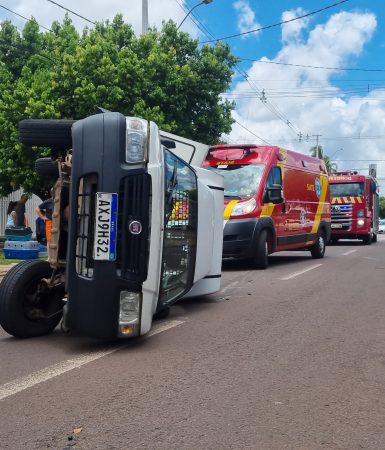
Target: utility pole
x,y
144,16
317,148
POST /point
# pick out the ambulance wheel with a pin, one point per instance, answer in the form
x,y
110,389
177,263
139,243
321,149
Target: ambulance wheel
x,y
27,307
367,239
46,167
261,259
318,249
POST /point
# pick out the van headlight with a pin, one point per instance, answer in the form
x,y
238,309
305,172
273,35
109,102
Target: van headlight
x,y
361,213
360,222
136,140
129,313
242,208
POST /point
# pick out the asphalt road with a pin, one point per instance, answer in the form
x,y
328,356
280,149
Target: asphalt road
x,y
288,358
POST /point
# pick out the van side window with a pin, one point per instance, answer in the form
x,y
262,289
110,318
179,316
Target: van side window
x,y
274,177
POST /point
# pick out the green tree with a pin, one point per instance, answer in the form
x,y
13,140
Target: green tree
x,y
382,207
164,76
321,154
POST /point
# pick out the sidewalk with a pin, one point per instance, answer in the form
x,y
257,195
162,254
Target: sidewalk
x,y
4,269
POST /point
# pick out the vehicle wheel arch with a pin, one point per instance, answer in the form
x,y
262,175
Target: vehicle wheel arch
x,y
267,224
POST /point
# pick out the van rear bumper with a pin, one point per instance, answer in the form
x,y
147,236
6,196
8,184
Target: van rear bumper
x,y
238,238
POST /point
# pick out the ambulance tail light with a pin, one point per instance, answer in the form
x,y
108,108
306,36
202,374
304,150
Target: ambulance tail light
x,y
243,208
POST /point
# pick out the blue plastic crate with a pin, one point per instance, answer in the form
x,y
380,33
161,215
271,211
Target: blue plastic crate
x,y
21,254
43,251
21,245
27,237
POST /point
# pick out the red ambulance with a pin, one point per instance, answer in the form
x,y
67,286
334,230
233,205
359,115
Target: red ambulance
x,y
275,200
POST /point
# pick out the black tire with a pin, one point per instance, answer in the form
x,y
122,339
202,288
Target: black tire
x,y
261,259
367,239
162,314
374,237
47,167
24,311
318,249
46,133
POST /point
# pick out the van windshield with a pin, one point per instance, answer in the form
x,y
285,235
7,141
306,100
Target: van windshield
x,y
347,189
240,180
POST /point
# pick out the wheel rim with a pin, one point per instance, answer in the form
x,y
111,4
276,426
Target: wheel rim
x,y
39,306
321,244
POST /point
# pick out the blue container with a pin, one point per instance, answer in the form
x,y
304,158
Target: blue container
x,y
43,251
21,245
26,237
18,233
20,254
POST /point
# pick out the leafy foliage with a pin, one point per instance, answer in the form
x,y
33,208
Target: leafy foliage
x,y
382,207
161,76
321,155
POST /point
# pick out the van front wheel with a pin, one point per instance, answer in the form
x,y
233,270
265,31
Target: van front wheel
x,y
261,257
27,307
318,249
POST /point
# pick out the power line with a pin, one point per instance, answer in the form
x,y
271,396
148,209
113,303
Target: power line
x,y
314,67
25,18
72,12
277,24
251,132
18,47
205,31
194,18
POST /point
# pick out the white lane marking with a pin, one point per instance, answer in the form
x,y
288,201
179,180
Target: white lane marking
x,y
301,272
349,252
34,378
229,286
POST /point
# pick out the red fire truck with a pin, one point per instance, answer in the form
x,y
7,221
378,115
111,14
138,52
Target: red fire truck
x,y
355,207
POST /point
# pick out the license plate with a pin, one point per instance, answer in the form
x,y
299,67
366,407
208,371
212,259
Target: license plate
x,y
336,225
105,226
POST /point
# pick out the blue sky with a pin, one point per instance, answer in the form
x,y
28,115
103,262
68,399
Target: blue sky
x,y
280,102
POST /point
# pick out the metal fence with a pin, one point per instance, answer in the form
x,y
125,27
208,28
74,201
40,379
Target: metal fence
x,y
30,209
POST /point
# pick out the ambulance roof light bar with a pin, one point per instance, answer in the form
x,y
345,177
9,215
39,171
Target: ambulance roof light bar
x,y
346,172
246,148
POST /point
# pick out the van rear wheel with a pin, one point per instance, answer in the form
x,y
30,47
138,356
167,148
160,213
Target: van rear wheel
x,y
261,257
54,133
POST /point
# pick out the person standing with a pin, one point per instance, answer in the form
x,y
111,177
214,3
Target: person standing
x,y
11,214
44,211
21,218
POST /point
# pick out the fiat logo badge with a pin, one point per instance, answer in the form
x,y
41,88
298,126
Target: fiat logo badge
x,y
135,227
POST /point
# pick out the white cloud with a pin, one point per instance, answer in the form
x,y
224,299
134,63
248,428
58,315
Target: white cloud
x,y
292,30
246,16
337,43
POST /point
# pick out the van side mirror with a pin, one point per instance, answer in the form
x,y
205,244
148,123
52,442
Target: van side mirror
x,y
168,143
273,194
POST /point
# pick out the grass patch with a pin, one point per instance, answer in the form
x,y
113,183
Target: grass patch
x,y
4,261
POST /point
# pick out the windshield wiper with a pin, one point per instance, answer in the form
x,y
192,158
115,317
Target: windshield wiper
x,y
237,197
